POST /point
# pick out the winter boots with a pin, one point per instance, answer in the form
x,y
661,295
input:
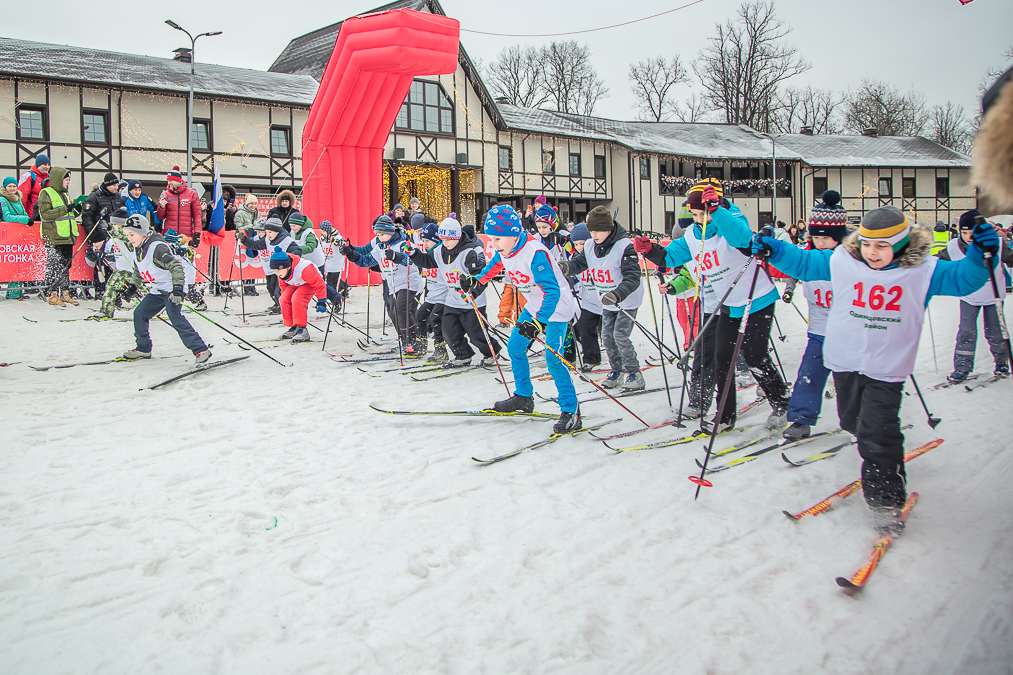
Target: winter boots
x,y
777,419
202,357
516,404
634,382
68,300
439,356
289,334
135,354
957,376
55,300
797,431
459,363
567,423
613,379
301,335
888,520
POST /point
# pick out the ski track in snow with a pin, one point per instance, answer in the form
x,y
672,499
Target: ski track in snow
x,y
259,519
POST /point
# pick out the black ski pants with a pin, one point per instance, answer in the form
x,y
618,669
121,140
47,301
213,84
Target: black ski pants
x,y
586,329
754,350
429,319
701,385
870,409
461,325
401,309
273,288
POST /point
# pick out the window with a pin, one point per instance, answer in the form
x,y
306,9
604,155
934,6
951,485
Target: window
x,y
713,172
201,131
885,187
942,186
506,160
645,168
574,164
745,172
548,161
908,187
765,218
32,123
94,122
819,186
427,108
669,221
599,166
279,141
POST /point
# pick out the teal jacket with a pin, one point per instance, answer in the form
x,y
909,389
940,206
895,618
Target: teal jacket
x,y
13,211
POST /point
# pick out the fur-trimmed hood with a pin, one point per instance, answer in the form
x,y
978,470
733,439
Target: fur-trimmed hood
x,y
993,146
913,255
12,200
282,195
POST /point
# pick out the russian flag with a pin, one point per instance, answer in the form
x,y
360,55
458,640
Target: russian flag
x,y
216,222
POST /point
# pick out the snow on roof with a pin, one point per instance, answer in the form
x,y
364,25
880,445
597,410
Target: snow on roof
x,y
841,150
23,58
726,141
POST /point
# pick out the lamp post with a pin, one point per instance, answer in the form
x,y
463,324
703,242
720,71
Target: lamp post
x,y
773,168
189,113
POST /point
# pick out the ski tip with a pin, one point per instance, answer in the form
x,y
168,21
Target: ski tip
x,y
792,516
785,458
847,586
381,410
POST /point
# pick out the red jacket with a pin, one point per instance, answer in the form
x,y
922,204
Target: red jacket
x,y
182,211
29,191
309,276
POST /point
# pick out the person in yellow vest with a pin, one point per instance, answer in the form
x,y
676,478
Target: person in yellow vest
x,y
940,237
59,233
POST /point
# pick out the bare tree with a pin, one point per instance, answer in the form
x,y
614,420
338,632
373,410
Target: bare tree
x,y
652,79
809,107
697,110
992,73
885,108
571,81
949,127
746,63
518,75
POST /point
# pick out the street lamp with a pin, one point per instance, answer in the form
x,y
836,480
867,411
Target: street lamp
x,y
773,167
189,114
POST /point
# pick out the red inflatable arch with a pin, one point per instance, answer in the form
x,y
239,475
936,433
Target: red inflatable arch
x,y
367,78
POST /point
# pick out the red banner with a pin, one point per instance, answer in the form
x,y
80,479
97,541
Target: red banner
x,y
23,256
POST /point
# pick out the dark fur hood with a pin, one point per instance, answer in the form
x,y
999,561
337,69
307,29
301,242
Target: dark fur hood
x,y
914,253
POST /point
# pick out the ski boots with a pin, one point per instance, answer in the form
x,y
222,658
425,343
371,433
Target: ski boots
x,y
515,404
289,334
135,354
459,363
957,376
486,362
613,380
888,521
301,335
1002,369
797,431
567,423
200,358
634,382
439,356
777,419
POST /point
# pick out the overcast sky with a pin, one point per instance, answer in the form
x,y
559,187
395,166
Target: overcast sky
x,y
936,46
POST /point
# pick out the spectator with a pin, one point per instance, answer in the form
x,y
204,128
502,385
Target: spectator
x,y
284,208
139,204
179,207
229,200
414,208
59,232
796,234
32,183
122,188
79,202
13,209
244,218
100,205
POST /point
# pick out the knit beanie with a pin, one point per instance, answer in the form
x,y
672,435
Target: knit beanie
x,y
251,200
828,218
171,237
296,218
503,221
42,159
132,184
887,223
430,232
546,214
8,181
449,229
119,216
966,221
279,258
396,207
414,201
468,230
539,200
175,174
580,232
138,224
110,179
274,224
599,220
684,218
122,184
384,225
695,195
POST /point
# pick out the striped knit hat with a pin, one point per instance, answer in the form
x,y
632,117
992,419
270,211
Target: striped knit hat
x,y
695,195
887,223
175,174
828,218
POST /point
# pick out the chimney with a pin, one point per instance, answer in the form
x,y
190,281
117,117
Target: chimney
x,y
870,132
182,55
806,131
502,99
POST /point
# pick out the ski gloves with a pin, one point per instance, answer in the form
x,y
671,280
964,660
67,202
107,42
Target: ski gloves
x,y
765,246
531,328
609,299
985,237
322,306
176,297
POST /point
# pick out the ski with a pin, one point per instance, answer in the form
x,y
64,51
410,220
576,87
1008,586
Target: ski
x,y
851,488
197,369
826,454
991,380
366,359
108,318
784,442
695,436
468,413
456,371
858,580
600,397
118,359
947,384
541,444
627,434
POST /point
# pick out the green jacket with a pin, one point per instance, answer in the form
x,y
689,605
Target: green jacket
x,y
50,215
245,218
682,282
13,211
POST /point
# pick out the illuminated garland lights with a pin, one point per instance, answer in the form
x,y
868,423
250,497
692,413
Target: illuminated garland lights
x,y
683,183
431,184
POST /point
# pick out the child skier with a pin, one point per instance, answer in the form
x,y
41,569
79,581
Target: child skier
x,y
547,224
334,264
615,272
458,258
550,306
430,313
719,233
166,286
982,300
828,225
589,324
116,252
881,278
402,279
300,281
273,234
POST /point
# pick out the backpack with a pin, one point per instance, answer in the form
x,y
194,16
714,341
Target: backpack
x,y
31,188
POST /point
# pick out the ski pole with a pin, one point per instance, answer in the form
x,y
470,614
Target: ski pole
x,y
932,334
933,421
234,335
779,366
70,263
729,383
369,285
793,306
488,341
654,315
693,336
653,338
713,316
980,220
780,336
232,270
242,283
675,336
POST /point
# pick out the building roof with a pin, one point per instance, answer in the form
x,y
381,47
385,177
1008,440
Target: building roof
x,y
38,60
841,150
703,141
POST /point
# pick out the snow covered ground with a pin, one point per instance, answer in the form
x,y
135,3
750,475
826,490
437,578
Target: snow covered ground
x,y
260,519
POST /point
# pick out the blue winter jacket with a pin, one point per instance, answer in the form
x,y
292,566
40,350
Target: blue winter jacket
x,y
141,206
